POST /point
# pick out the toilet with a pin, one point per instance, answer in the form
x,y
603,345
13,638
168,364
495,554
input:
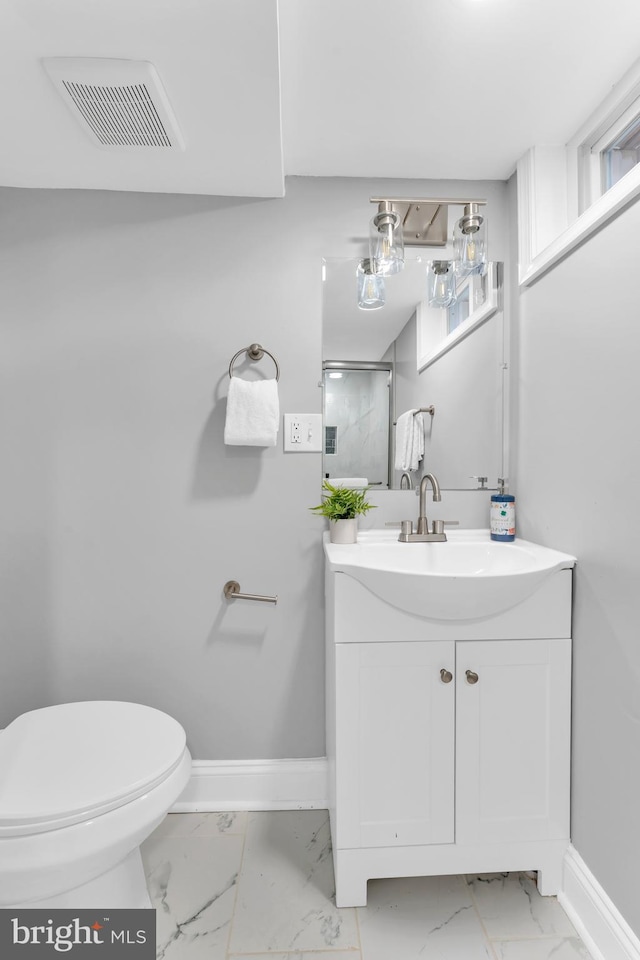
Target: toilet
x,y
81,786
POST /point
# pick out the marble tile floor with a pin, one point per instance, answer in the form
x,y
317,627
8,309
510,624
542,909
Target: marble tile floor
x,y
259,886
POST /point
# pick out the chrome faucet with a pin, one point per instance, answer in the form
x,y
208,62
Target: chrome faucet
x,y
406,483
422,533
423,523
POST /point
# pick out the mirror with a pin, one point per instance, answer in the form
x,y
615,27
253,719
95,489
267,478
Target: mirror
x,y
449,359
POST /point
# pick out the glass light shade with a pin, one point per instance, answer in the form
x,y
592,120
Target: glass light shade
x,y
441,283
386,242
470,244
371,292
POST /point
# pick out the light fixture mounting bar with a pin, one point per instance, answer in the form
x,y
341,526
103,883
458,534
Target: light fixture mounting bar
x,y
425,220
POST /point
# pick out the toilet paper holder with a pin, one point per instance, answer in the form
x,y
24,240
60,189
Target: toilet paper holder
x,y
232,591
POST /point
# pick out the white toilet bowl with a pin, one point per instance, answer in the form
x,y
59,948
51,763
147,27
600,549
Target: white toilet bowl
x,y
81,786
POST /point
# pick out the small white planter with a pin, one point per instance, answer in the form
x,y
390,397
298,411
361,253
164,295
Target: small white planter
x,y
343,531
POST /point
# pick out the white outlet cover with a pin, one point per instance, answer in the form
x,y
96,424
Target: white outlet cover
x,y
302,432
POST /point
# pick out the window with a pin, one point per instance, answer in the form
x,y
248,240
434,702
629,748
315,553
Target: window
x,y
621,156
610,153
567,193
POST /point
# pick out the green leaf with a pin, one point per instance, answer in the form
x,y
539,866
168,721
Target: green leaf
x,y
342,503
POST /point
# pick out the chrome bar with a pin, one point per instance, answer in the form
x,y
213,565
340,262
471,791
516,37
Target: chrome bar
x,y
430,409
231,591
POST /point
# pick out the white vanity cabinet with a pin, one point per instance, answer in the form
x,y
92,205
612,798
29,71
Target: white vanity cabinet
x,y
449,748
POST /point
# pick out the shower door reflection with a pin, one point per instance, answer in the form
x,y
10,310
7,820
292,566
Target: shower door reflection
x,y
357,421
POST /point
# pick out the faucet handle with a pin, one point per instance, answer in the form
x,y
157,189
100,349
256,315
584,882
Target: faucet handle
x,y
437,526
406,531
481,481
406,526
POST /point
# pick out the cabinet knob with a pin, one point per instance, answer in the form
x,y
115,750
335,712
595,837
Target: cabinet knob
x,y
471,676
446,676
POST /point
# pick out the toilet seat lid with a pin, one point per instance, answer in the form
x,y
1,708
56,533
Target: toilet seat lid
x,y
67,763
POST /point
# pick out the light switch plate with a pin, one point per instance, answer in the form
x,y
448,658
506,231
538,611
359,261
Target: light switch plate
x,y
303,432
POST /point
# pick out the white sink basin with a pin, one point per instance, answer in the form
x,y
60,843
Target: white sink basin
x,y
467,577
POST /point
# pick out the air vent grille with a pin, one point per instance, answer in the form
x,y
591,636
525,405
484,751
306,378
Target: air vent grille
x,y
123,116
121,104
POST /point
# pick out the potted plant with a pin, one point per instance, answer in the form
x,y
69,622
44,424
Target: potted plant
x,y
342,506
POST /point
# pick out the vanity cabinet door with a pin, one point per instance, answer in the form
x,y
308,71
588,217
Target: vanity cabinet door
x,y
395,743
513,740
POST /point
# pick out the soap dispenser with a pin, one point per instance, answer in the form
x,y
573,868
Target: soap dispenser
x,y
503,514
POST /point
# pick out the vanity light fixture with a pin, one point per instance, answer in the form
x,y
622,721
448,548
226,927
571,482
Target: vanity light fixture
x,y
371,292
404,221
441,283
386,240
469,242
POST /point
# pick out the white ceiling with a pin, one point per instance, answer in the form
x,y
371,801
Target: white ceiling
x,y
454,89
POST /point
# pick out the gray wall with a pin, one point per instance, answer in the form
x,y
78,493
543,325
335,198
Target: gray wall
x,y
123,513
578,346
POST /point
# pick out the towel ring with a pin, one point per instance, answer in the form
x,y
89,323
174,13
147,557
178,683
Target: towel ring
x,y
254,352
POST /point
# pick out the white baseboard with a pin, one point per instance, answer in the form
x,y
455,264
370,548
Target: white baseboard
x,y
601,927
255,785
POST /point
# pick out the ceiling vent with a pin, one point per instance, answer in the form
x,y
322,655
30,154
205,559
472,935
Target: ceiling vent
x,y
119,103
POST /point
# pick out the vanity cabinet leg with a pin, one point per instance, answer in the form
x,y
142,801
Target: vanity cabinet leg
x,y
550,873
351,887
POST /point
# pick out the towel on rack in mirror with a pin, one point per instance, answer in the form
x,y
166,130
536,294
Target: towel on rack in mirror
x,y
409,440
253,413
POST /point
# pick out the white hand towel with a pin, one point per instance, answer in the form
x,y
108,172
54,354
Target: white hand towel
x,y
418,439
409,440
354,483
253,413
